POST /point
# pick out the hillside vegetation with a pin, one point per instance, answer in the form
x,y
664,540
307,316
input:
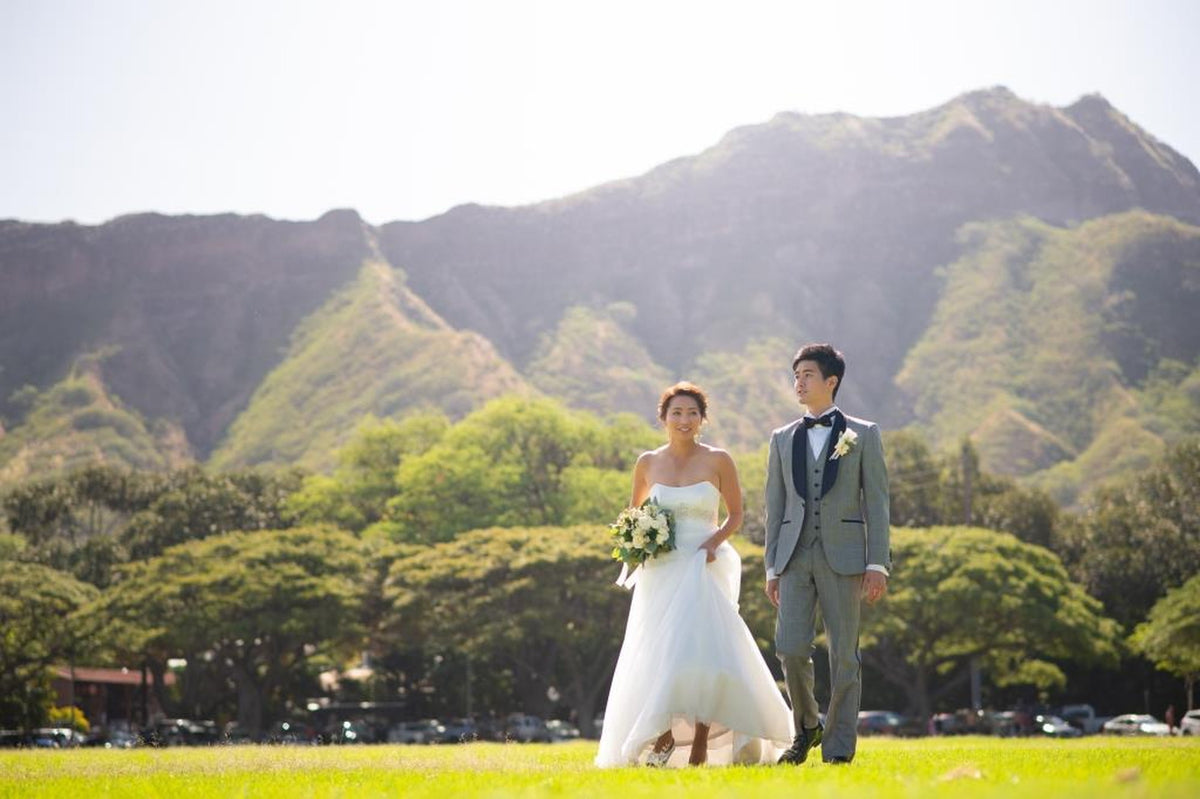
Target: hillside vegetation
x,y
1019,273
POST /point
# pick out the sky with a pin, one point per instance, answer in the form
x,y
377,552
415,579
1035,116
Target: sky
x,y
402,110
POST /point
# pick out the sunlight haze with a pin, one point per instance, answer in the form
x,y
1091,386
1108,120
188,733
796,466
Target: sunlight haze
x,y
402,110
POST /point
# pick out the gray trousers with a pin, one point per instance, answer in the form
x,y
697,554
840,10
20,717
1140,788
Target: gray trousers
x,y
809,584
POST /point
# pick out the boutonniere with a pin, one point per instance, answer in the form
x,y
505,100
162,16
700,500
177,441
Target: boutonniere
x,y
844,444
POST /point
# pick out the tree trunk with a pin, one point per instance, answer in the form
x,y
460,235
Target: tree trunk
x,y
158,669
920,695
250,705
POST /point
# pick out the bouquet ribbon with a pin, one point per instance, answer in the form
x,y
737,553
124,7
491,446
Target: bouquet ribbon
x,y
628,579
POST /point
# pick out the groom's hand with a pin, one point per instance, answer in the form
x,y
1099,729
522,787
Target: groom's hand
x,y
773,591
874,586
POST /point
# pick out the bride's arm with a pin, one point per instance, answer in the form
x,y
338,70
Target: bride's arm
x,y
731,492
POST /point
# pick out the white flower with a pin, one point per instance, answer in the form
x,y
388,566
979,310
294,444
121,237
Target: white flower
x,y
644,522
639,540
844,444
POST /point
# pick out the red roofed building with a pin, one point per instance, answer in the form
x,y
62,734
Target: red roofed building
x,y
109,697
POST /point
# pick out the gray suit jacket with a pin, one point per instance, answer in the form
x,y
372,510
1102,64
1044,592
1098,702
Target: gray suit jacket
x,y
856,528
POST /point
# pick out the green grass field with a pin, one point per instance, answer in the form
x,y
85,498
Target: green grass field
x,y
957,767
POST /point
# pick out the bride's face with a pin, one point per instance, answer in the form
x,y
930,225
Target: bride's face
x,y
683,418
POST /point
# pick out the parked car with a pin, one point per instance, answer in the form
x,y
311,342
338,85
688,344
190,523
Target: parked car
x,y
181,732
457,731
1083,717
879,722
1190,723
961,722
62,737
562,730
1055,727
351,732
425,731
1135,724
526,729
112,739
291,732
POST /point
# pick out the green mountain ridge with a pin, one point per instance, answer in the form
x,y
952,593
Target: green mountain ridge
x,y
1016,272
78,421
374,348
1039,347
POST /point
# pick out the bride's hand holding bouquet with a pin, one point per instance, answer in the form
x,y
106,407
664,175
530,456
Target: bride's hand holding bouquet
x,y
640,534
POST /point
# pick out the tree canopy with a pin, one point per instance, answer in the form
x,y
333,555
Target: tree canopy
x,y
257,606
39,628
959,593
540,599
1170,637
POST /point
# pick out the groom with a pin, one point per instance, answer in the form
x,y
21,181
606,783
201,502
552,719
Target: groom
x,y
826,547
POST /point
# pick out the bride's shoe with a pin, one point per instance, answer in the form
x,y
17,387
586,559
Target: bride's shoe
x,y
659,759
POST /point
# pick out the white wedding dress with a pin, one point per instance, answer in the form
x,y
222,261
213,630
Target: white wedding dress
x,y
688,657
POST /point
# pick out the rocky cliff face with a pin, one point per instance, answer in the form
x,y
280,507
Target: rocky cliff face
x,y
830,227
192,312
806,227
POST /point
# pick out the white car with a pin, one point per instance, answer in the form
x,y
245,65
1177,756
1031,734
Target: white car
x,y
1135,724
1190,723
426,731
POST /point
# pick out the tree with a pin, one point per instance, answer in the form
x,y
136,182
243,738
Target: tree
x,y
514,462
915,480
928,489
38,629
193,504
1170,637
959,593
355,496
1139,539
539,602
71,521
259,606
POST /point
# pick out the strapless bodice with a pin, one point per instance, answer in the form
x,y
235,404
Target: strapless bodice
x,y
695,507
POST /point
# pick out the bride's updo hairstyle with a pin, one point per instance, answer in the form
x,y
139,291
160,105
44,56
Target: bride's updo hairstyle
x,y
683,389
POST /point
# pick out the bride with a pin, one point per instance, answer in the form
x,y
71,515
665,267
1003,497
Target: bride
x,y
690,682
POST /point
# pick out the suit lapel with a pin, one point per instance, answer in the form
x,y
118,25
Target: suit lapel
x,y
798,441
829,475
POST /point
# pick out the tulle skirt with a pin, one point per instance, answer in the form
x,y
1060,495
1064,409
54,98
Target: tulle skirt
x,y
689,658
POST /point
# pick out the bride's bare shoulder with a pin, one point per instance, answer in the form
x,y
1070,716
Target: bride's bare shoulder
x,y
716,453
650,455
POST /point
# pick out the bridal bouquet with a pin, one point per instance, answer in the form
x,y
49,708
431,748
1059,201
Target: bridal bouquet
x,y
642,533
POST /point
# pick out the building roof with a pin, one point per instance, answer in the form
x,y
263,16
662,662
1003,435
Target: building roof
x,y
122,676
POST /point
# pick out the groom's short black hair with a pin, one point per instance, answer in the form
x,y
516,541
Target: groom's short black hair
x,y
831,362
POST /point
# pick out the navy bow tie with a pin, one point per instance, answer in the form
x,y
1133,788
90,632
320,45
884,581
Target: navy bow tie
x,y
824,421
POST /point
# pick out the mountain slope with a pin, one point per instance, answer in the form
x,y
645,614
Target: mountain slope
x,y
590,360
373,348
824,227
1043,340
194,311
79,421
983,264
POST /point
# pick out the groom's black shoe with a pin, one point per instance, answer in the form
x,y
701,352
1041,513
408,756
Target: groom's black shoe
x,y
805,740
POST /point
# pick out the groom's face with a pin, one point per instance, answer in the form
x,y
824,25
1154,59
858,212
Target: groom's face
x,y
814,390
